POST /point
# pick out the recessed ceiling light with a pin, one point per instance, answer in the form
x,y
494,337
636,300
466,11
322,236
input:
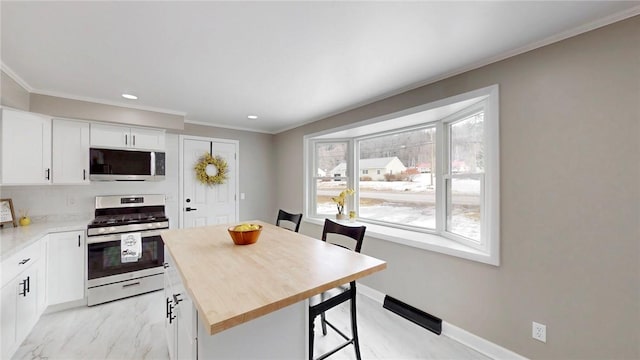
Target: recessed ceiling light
x,y
252,117
129,96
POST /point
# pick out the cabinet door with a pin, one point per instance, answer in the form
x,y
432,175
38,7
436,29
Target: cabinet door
x,y
41,288
26,148
170,324
110,136
70,152
186,315
148,139
65,267
26,303
8,320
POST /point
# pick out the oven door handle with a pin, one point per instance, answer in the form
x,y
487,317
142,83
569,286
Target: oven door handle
x,y
116,237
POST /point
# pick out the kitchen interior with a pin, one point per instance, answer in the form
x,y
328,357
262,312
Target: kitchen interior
x,y
67,208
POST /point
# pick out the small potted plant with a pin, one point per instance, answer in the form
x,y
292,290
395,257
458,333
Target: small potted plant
x,y
339,200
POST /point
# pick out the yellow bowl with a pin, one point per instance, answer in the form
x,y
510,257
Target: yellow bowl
x,y
244,237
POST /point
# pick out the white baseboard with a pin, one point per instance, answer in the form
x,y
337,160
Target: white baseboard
x,y
478,344
462,336
371,293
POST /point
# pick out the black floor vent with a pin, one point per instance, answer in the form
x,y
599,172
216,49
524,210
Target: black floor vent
x,y
414,315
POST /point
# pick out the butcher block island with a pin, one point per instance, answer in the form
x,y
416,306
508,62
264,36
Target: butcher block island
x,y
249,301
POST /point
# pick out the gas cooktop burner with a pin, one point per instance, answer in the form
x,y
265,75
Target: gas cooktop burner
x,y
128,219
117,214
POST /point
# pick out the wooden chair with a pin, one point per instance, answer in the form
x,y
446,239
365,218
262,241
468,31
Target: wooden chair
x,y
293,218
327,300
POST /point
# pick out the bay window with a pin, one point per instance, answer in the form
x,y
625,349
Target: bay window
x,y
426,177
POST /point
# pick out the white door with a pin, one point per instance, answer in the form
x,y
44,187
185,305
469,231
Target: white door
x,y
208,204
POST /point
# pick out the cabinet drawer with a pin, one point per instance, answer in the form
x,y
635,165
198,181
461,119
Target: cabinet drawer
x,y
18,262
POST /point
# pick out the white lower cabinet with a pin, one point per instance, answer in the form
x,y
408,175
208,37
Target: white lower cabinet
x,y
66,253
19,309
181,318
8,320
26,301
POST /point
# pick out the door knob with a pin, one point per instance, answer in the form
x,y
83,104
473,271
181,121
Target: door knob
x,y
190,209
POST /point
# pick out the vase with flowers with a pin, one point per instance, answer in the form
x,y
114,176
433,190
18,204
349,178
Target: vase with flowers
x,y
340,200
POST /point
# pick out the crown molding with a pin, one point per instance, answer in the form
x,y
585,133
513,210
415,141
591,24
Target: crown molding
x,y
12,74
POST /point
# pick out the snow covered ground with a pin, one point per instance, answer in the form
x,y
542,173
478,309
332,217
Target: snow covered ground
x,y
410,208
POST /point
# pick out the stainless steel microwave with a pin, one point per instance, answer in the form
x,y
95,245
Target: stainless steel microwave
x,y
126,165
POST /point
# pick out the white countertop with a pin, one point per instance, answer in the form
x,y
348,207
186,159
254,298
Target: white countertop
x,y
14,239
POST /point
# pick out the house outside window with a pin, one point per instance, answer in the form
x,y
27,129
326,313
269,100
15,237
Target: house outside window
x,y
435,175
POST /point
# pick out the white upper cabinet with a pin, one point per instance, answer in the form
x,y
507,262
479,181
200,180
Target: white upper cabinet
x,y
124,137
25,148
70,152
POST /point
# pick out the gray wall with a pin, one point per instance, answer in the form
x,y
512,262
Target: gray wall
x,y
570,198
12,94
85,110
257,170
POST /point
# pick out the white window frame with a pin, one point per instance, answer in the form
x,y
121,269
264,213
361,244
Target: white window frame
x,y
442,241
312,210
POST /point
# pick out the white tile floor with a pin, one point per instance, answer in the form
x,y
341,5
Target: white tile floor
x,y
134,329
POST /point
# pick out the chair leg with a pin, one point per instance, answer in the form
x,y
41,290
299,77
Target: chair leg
x,y
311,335
323,322
354,324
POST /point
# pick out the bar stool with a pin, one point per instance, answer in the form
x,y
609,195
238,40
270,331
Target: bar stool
x,y
319,304
293,218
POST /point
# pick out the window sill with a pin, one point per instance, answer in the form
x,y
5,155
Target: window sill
x,y
420,240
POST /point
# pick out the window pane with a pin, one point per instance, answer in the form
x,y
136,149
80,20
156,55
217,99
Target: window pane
x,y
466,146
331,172
463,207
397,184
326,188
331,159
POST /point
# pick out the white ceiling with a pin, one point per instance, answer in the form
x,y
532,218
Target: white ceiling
x,y
290,63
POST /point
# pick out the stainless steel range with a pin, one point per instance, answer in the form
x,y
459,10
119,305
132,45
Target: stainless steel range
x,y
111,272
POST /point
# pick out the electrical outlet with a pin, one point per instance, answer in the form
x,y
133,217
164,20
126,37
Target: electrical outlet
x,y
539,332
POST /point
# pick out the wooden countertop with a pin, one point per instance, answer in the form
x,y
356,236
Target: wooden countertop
x,y
231,284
